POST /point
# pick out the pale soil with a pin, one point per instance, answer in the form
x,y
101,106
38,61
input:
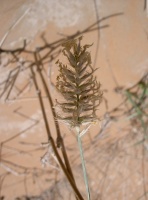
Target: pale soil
x,y
117,168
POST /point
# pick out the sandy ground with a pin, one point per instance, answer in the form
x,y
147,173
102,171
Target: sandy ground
x,y
120,49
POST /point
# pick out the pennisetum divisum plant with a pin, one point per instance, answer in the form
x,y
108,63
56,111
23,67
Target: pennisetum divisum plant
x,y
81,92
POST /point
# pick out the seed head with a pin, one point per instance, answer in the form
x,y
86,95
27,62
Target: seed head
x,y
78,86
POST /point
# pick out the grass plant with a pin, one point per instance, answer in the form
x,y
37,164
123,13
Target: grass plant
x,y
81,93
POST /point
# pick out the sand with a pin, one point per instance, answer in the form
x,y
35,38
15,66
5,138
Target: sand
x,y
120,49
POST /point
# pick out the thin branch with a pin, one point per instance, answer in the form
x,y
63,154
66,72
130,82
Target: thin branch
x,y
51,139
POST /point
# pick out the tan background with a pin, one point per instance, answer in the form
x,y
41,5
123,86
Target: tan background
x,y
119,50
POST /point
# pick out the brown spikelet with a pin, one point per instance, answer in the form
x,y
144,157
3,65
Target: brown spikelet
x,y
77,84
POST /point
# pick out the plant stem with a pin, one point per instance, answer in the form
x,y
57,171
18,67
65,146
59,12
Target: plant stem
x,y
83,163
40,66
72,183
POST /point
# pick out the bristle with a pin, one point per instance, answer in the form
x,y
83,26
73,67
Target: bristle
x,y
77,84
